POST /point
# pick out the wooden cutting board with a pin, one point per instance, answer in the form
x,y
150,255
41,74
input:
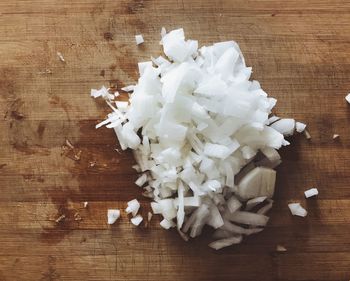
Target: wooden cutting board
x,y
300,52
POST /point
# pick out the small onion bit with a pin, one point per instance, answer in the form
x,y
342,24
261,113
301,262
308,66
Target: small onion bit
x,y
311,192
112,215
136,220
347,98
139,39
133,207
297,210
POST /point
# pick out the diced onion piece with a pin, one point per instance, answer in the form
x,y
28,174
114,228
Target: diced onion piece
x,y
248,218
272,160
181,207
233,204
141,180
139,39
215,219
222,243
285,126
311,192
280,248
307,134
253,202
136,220
133,207
167,224
297,210
258,182
347,98
272,119
335,136
300,127
149,216
60,56
112,215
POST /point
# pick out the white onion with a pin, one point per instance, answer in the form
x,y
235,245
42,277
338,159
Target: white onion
x,y
139,39
219,244
136,220
133,207
347,98
297,210
112,215
233,204
167,224
196,125
141,180
253,202
300,127
247,218
311,192
258,182
284,126
280,248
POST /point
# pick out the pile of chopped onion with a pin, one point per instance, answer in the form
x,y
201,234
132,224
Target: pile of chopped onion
x,y
203,138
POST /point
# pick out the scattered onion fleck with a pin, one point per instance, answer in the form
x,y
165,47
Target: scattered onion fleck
x,y
311,192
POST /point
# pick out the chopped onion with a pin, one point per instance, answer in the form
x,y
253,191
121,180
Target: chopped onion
x,y
203,136
297,210
347,98
136,220
141,180
311,192
247,218
139,39
335,136
307,134
300,127
233,204
258,182
60,56
167,224
133,207
284,126
222,243
112,215
253,202
280,248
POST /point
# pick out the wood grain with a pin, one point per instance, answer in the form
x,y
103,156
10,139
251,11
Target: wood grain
x,y
300,52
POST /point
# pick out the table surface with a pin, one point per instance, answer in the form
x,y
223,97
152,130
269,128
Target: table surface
x,y
299,51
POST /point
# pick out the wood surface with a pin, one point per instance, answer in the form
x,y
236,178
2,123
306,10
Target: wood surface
x,y
299,51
